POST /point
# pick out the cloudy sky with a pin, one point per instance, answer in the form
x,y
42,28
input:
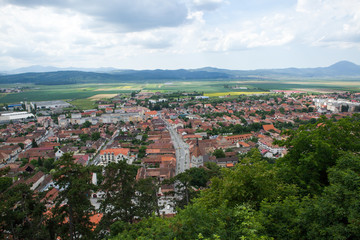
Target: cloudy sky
x,y
172,34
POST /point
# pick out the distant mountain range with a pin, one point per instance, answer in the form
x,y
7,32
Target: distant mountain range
x,y
55,76
42,69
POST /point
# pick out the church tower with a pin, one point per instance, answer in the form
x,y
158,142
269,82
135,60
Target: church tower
x,y
197,160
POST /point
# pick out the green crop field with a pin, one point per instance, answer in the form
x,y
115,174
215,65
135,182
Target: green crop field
x,y
83,104
78,93
58,92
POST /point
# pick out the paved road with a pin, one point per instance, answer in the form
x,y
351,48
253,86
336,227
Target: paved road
x,y
181,149
295,100
48,134
96,160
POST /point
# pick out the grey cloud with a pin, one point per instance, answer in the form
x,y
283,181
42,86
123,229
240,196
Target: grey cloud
x,y
134,15
207,5
351,38
24,53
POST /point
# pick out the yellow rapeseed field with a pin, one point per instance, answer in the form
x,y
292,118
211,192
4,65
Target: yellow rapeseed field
x,y
218,94
101,96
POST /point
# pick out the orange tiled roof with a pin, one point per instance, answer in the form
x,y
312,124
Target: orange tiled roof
x,y
167,158
151,113
116,151
268,127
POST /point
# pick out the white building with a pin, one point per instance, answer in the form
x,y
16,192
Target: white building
x,y
15,116
50,104
274,150
115,155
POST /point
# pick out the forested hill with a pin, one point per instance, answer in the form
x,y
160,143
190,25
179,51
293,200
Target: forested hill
x,y
74,77
338,70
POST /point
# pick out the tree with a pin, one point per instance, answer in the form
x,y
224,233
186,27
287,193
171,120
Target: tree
x,y
155,228
219,153
146,198
182,189
196,222
314,148
95,136
251,181
333,214
199,177
73,208
92,150
34,144
282,110
213,169
119,188
49,164
144,137
344,108
125,198
22,214
5,183
84,137
142,152
86,124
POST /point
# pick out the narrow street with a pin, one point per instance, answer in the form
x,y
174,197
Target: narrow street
x,y
96,160
48,134
181,149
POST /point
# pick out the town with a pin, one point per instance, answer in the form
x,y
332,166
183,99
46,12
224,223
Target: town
x,y
162,134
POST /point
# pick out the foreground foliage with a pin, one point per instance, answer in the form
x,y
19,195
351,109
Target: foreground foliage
x,y
311,193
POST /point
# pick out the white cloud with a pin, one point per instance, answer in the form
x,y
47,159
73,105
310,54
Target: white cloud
x,y
314,23
92,33
150,39
330,22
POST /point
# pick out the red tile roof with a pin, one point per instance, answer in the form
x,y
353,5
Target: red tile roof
x,y
116,151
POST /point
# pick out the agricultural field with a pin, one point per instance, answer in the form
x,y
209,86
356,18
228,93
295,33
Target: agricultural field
x,y
219,94
84,95
102,96
58,92
83,104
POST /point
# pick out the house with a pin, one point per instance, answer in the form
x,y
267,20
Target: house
x,y
192,137
237,138
271,150
4,157
36,180
115,155
36,153
17,140
81,159
151,114
227,161
270,127
50,197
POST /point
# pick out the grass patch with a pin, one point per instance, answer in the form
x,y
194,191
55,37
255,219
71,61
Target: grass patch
x,y
83,104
